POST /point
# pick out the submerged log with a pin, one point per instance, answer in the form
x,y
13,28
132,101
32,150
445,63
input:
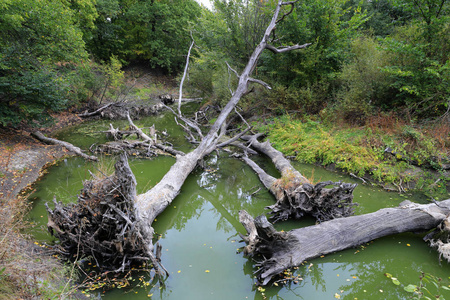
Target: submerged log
x,y
295,194
68,146
282,250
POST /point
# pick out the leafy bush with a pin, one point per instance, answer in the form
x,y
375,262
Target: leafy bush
x,y
305,100
420,72
364,86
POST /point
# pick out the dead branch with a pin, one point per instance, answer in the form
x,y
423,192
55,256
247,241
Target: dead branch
x,y
68,146
286,48
96,112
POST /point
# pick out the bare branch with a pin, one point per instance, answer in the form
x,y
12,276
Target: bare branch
x,y
234,71
184,76
235,138
260,82
68,146
145,137
187,121
86,114
286,48
291,3
242,118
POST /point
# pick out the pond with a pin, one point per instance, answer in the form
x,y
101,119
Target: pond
x,y
200,230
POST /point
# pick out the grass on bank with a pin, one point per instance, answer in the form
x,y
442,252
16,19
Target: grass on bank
x,y
413,160
25,272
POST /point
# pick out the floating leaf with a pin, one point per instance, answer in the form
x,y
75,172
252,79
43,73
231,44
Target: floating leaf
x,y
206,271
411,288
337,296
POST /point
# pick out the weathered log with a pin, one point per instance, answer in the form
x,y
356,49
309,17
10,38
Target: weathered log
x,y
294,193
68,146
282,250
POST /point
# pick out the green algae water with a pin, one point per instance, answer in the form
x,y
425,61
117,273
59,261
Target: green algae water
x,y
200,230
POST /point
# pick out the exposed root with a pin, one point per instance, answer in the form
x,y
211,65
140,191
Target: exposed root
x,y
322,203
440,239
103,224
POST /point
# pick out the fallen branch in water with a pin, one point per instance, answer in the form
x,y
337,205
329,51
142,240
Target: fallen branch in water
x,y
68,146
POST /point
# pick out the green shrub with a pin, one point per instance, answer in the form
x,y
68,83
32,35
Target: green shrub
x,y
364,86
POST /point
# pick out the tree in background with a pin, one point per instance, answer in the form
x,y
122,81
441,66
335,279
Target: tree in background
x,y
39,41
155,32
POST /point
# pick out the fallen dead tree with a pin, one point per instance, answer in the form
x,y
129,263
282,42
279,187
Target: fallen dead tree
x,y
295,195
282,250
147,206
68,146
146,147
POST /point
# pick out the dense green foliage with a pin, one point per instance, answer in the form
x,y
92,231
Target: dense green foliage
x,y
45,64
36,35
365,57
156,32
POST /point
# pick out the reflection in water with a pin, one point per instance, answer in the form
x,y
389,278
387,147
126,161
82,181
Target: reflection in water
x,y
199,234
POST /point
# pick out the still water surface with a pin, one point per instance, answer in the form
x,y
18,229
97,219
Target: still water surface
x,y
199,230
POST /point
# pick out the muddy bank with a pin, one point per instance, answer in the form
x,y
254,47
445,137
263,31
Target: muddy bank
x,y
29,271
23,158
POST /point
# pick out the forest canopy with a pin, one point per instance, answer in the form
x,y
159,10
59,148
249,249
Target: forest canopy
x,y
365,57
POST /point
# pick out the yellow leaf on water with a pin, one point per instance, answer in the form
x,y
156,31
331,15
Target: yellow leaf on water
x,y
408,245
337,296
179,271
206,271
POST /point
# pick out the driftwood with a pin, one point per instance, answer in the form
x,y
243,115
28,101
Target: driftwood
x,y
282,250
149,146
295,195
68,146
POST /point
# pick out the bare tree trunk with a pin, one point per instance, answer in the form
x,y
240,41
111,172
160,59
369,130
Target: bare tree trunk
x,y
282,250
